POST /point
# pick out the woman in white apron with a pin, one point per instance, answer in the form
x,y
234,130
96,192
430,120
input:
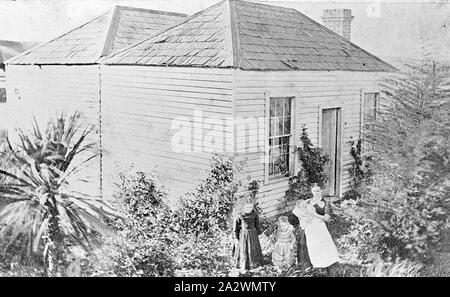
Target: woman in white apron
x,y
321,248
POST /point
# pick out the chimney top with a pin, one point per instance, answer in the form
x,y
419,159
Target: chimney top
x,y
339,21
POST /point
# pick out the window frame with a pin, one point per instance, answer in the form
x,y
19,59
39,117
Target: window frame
x,y
268,179
375,108
362,124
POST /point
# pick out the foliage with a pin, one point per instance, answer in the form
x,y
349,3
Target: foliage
x,y
122,256
6,160
409,192
359,243
38,212
20,268
398,268
210,253
145,231
212,201
359,171
153,240
313,162
253,188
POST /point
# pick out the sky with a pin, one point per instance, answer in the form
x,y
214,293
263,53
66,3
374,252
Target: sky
x,y
385,28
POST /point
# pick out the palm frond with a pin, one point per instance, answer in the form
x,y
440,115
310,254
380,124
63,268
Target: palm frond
x,y
43,160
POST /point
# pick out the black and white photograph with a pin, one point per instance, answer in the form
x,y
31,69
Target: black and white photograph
x,y
245,141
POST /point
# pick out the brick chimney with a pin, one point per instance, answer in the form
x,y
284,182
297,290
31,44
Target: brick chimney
x,y
338,20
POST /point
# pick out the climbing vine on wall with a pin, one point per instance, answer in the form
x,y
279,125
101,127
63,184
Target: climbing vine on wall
x,y
313,162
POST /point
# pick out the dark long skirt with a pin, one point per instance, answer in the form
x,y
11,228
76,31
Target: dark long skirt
x,y
248,253
302,250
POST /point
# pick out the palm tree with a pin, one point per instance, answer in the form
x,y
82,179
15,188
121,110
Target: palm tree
x,y
36,208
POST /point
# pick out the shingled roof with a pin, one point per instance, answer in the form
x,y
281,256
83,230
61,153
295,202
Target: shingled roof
x,y
250,36
85,44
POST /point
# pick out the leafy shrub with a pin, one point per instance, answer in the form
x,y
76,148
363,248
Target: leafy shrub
x,y
313,162
153,240
123,256
359,243
359,171
145,232
409,192
212,202
209,253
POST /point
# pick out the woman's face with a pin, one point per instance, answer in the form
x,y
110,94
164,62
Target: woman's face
x,y
317,193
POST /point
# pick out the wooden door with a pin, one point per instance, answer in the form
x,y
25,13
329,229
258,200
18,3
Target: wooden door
x,y
331,143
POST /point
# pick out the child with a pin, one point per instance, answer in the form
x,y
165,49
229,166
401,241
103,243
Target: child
x,y
283,255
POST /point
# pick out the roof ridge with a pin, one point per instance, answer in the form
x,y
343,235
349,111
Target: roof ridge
x,y
57,37
263,4
235,39
132,8
229,36
189,18
111,32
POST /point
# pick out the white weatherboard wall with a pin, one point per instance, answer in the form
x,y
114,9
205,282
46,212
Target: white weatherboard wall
x,y
311,90
139,106
42,92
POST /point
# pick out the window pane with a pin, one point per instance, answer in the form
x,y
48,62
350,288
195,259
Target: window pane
x,y
272,127
275,150
370,106
274,142
280,129
284,148
272,107
279,156
280,164
279,108
275,127
275,167
287,107
287,125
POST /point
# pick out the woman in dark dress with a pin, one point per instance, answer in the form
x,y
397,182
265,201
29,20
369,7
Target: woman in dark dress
x,y
247,248
302,250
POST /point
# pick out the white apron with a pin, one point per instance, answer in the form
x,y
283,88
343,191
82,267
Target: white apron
x,y
321,248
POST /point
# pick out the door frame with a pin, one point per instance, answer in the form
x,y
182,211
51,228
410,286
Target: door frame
x,y
339,160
